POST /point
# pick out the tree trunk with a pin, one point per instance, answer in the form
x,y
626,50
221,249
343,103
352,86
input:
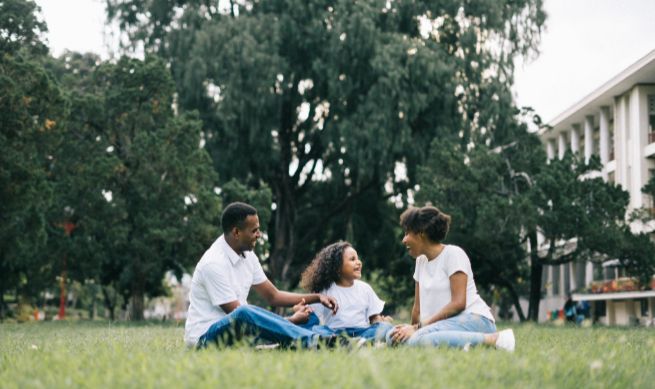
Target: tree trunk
x,y
283,249
137,299
515,301
2,304
109,303
536,270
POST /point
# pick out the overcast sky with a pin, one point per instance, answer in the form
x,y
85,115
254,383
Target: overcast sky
x,y
586,43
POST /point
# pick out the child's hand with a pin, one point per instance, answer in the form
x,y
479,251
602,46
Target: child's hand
x,y
387,319
381,318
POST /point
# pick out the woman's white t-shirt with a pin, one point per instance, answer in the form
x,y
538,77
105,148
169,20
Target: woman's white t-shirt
x,y
433,279
357,304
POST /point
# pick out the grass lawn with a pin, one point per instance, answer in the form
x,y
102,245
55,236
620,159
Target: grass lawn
x,y
95,354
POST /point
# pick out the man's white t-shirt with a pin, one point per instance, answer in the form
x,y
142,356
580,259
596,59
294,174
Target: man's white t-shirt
x,y
221,276
357,304
433,278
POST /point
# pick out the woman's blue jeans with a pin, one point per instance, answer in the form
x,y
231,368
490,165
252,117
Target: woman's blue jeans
x,y
458,331
256,321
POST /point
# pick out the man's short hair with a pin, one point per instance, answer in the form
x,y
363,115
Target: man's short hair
x,y
235,214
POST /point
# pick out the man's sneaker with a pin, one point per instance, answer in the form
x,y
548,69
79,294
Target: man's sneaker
x,y
506,340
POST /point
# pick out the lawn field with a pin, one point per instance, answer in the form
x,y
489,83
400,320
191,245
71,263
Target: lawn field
x,y
96,354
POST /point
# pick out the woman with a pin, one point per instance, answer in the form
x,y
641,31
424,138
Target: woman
x,y
447,308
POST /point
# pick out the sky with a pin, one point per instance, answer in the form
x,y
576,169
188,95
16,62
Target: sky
x,y
586,43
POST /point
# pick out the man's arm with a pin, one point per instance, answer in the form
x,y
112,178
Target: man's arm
x,y
229,307
280,298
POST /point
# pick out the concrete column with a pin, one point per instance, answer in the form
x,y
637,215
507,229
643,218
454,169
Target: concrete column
x,y
620,138
561,144
588,138
589,273
610,312
638,141
550,149
605,135
575,138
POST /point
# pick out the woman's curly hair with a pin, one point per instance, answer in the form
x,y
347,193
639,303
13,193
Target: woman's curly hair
x,y
325,268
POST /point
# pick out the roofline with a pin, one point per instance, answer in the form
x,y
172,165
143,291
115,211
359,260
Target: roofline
x,y
603,89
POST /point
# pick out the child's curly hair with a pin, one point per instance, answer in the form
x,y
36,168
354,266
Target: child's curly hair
x,y
325,268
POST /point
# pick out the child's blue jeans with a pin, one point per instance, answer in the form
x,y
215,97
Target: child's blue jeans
x,y
376,331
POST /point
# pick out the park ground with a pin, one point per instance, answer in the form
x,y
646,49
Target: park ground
x,y
152,355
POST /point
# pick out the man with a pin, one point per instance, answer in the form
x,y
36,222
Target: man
x,y
221,283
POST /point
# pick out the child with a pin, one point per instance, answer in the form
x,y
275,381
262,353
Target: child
x,y
336,271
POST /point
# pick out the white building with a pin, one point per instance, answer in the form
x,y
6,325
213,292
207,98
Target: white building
x,y
617,123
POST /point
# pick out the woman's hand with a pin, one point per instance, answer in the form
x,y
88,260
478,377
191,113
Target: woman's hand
x,y
402,332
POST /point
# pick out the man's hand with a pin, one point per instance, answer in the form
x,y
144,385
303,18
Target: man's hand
x,y
301,313
329,302
402,332
302,304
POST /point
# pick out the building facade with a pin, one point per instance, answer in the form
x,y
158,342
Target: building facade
x,y
617,123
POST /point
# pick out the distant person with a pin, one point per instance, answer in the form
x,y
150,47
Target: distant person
x,y
583,309
447,308
570,313
337,271
221,283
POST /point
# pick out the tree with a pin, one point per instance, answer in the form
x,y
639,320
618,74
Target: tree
x,y
31,110
515,212
134,178
325,101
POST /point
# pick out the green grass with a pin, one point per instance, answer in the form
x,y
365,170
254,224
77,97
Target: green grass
x,y
93,354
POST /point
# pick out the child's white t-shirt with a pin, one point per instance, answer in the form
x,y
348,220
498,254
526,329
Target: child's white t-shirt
x,y
433,278
357,304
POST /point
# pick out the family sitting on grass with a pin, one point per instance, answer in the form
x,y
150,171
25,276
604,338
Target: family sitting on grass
x,y
447,309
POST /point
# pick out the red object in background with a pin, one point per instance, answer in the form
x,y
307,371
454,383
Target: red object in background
x,y
68,230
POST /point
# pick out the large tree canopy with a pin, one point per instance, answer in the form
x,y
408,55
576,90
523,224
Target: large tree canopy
x,y
333,104
131,176
32,108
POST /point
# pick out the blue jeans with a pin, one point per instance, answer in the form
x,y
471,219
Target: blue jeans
x,y
256,321
457,331
376,331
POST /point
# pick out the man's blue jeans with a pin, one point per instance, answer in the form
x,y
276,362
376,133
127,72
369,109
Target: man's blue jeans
x,y
377,331
458,331
256,321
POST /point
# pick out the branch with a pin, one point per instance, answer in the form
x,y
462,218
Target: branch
x,y
334,211
562,259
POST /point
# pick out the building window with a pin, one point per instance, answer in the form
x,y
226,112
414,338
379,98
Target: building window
x,y
556,280
611,146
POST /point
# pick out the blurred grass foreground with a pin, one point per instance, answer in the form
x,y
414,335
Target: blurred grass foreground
x,y
103,354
